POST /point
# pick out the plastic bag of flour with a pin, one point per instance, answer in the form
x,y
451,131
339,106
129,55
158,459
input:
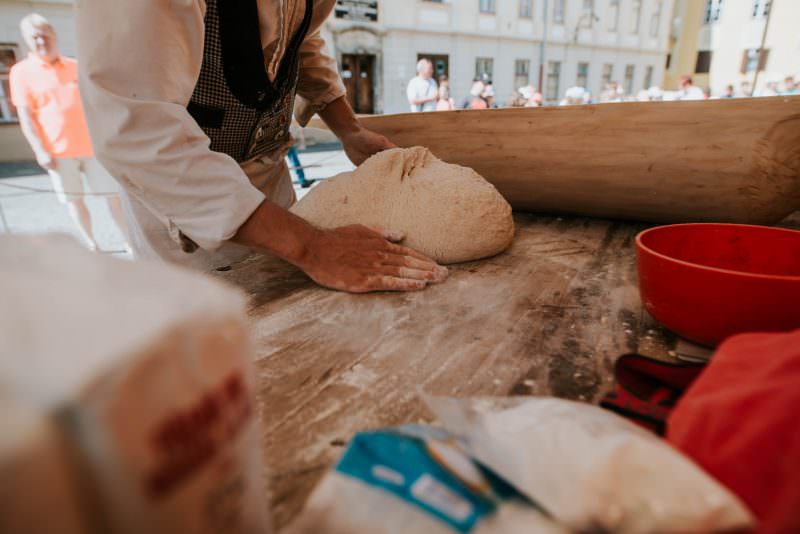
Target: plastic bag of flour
x,y
144,370
415,479
589,468
36,475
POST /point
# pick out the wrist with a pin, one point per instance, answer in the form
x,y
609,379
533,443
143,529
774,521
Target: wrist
x,y
279,232
339,117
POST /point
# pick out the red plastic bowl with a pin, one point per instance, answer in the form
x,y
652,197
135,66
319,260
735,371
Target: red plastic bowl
x,y
708,281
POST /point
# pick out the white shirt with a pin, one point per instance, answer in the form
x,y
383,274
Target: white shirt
x,y
140,61
691,93
419,88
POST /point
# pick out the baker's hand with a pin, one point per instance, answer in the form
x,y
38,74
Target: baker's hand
x,y
359,259
363,143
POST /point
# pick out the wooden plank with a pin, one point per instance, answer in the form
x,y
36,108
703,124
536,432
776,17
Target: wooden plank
x,y
547,317
735,160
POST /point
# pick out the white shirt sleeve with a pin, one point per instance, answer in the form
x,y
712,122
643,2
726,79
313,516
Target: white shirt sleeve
x,y
139,63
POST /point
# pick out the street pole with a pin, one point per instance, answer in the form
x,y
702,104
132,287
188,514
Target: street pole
x,y
763,42
542,47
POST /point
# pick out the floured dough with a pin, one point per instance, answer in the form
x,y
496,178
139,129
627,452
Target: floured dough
x,y
447,212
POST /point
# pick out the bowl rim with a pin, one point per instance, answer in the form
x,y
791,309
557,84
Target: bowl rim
x,y
784,277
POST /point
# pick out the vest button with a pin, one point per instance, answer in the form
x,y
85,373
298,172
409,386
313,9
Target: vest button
x,y
278,135
260,132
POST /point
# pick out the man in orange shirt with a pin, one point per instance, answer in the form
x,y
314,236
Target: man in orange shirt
x,y
44,88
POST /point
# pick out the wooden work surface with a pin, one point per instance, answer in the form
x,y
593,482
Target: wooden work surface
x,y
547,317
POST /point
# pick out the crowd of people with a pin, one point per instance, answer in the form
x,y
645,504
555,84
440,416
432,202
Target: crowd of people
x,y
426,94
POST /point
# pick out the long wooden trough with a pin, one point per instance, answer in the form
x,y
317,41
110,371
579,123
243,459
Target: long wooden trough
x,y
714,160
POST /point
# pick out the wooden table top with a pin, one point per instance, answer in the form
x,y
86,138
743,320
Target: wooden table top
x,y
547,317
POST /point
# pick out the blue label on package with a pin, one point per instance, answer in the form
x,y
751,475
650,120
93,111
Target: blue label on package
x,y
418,465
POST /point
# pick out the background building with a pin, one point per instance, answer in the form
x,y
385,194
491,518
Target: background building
x,y
589,42
719,41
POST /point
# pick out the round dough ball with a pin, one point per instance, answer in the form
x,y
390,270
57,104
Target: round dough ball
x,y
447,212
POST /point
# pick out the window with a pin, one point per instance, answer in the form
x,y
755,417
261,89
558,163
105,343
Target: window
x,y
629,79
486,6
8,56
522,73
760,8
712,11
558,11
655,19
648,77
484,66
613,15
703,64
753,59
587,16
526,9
553,76
583,75
608,72
357,10
636,13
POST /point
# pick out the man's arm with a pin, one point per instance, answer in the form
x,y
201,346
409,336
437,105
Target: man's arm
x,y
21,98
30,129
320,90
359,142
139,63
354,258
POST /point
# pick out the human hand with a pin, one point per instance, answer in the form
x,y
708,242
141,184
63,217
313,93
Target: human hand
x,y
46,161
358,259
363,143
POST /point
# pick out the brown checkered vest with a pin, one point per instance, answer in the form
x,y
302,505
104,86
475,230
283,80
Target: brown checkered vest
x,y
242,112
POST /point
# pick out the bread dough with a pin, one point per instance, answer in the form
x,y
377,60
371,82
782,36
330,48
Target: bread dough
x,y
447,212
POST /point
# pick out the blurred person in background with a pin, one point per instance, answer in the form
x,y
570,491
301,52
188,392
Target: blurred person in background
x,y
730,92
689,91
44,88
516,100
445,103
745,89
422,90
790,87
575,96
488,94
475,99
612,92
531,96
771,89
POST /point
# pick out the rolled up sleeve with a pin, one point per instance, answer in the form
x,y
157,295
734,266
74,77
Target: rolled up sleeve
x,y
319,83
139,62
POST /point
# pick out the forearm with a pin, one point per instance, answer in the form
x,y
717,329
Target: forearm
x,y
339,117
278,231
31,131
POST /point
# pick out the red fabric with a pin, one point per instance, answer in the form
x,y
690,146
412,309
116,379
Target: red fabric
x,y
740,420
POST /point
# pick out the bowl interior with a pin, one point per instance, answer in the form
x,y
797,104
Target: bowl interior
x,y
757,250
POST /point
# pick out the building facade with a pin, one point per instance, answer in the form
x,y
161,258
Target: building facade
x,y
588,43
377,44
720,43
